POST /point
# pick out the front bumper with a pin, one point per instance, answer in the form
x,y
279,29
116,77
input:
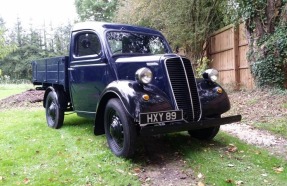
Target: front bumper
x,y
181,126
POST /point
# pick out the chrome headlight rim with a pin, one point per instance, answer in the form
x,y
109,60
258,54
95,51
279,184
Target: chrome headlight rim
x,y
210,74
144,75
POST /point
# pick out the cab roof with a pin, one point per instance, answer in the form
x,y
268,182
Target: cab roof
x,y
103,26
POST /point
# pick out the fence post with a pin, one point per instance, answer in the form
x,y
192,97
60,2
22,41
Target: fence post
x,y
236,57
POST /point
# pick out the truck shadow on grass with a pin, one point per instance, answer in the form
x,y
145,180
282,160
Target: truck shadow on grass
x,y
165,159
152,149
168,147
72,120
161,159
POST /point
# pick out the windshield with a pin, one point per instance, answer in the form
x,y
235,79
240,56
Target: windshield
x,y
135,43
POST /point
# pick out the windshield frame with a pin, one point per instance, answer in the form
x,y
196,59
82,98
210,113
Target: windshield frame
x,y
134,33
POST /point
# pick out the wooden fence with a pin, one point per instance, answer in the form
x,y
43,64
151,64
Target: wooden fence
x,y
227,49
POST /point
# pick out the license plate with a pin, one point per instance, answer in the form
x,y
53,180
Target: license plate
x,y
158,117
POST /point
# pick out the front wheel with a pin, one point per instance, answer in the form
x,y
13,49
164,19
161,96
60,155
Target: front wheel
x,y
54,111
204,134
120,130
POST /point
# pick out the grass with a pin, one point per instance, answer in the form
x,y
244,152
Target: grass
x,y
7,90
276,126
33,154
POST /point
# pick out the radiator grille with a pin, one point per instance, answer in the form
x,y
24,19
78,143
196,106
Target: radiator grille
x,y
193,89
184,88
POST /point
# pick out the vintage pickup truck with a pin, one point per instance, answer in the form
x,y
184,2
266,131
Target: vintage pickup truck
x,y
127,78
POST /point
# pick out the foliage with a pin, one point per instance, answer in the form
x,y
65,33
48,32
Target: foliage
x,y
96,10
266,21
268,65
185,23
61,39
33,44
18,63
202,65
4,79
5,46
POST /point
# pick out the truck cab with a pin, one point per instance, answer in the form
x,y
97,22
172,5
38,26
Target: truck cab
x,y
128,80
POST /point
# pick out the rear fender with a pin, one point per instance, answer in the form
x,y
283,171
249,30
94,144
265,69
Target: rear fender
x,y
60,94
47,91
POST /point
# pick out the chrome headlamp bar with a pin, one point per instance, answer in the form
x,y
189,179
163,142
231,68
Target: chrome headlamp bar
x,y
144,75
210,74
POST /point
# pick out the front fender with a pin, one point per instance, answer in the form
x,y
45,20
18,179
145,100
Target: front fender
x,y
130,93
213,101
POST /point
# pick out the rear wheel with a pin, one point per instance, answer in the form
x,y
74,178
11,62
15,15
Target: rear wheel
x,y
54,111
120,131
204,134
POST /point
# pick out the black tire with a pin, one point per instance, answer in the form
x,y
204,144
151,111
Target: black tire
x,y
204,134
120,130
54,111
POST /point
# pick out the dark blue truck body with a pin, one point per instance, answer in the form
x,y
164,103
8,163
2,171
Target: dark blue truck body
x,y
51,71
128,80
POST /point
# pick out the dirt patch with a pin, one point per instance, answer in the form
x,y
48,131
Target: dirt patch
x,y
163,165
258,106
29,98
274,144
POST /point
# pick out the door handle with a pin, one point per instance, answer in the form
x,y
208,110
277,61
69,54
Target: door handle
x,y
71,69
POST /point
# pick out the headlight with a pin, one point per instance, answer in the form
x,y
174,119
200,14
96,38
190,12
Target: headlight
x,y
144,75
210,74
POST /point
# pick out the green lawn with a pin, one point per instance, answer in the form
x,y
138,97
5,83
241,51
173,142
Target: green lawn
x,y
276,126
33,154
7,90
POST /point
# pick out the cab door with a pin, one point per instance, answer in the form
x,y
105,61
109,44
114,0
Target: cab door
x,y
87,71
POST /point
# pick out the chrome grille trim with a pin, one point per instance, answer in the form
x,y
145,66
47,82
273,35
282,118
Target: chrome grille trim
x,y
190,97
194,89
183,82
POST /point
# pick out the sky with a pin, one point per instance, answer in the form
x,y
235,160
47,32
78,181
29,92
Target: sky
x,y
37,12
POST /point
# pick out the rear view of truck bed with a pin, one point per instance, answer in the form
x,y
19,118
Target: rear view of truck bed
x,y
50,71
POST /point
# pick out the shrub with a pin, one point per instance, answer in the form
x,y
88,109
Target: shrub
x,y
269,59
202,65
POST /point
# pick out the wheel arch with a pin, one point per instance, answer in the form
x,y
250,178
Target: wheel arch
x,y
55,88
99,119
47,91
116,89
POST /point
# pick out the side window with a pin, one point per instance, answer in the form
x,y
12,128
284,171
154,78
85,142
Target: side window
x,y
87,44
